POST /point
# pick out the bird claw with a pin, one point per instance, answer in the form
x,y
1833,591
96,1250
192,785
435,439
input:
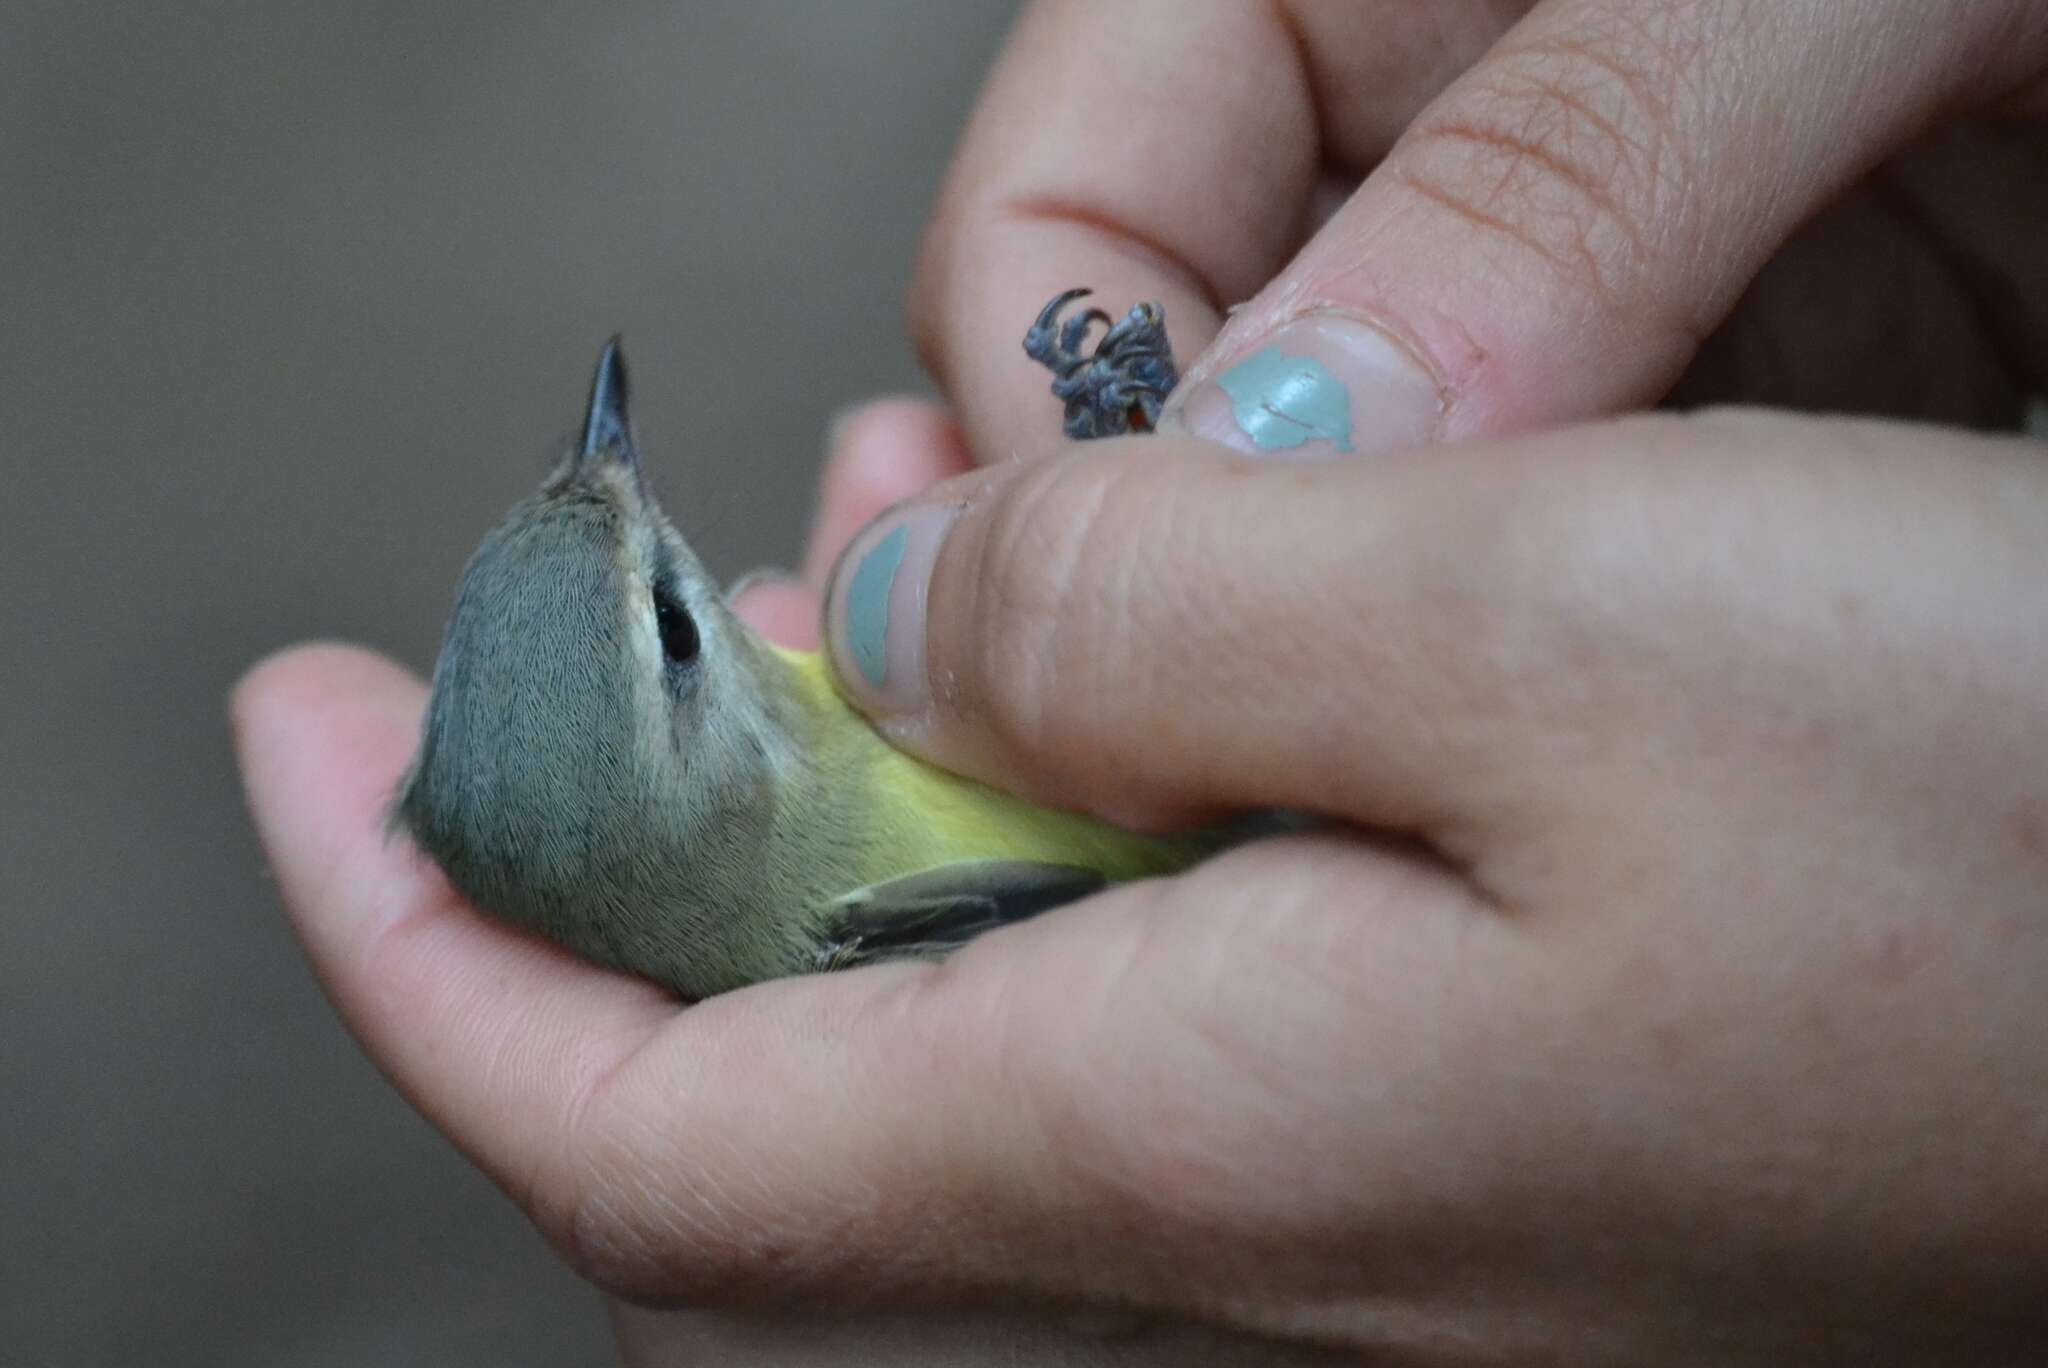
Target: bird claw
x,y
1119,385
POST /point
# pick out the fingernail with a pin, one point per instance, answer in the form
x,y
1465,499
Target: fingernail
x,y
1323,386
837,425
760,577
874,608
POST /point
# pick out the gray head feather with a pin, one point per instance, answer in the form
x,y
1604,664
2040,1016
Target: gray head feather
x,y
601,758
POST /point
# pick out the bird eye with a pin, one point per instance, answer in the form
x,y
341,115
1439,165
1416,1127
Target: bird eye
x,y
679,640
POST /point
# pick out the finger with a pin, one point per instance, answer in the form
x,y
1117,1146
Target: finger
x,y
494,1036
1160,151
858,1140
1556,233
781,608
1120,629
840,1140
877,1139
920,1136
556,1077
1435,643
878,454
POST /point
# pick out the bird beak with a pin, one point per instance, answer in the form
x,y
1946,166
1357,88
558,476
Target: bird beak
x,y
607,431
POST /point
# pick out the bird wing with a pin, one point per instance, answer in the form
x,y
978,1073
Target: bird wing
x,y
922,915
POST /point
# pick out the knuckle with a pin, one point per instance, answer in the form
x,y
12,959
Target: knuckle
x,y
600,1216
629,1214
925,303
1593,552
606,1241
644,1222
1051,585
1571,148
1028,563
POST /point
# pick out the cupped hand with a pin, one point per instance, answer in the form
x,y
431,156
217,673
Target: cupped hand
x,y
1684,1007
1630,1045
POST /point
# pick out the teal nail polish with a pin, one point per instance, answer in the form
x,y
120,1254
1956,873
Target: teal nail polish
x,y
1282,401
867,606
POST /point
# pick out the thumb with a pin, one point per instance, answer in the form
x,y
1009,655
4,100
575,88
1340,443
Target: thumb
x,y
1156,631
1553,237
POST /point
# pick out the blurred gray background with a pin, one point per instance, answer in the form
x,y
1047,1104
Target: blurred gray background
x,y
294,301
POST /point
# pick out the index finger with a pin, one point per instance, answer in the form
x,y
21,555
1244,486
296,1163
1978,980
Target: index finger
x,y
900,1135
792,1137
493,1035
1153,150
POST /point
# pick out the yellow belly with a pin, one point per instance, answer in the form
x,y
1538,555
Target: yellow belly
x,y
920,817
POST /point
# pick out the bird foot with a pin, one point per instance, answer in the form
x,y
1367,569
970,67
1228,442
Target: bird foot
x,y
1115,386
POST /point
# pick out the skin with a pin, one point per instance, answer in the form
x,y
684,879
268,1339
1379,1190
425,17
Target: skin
x,y
1689,1009
1695,1016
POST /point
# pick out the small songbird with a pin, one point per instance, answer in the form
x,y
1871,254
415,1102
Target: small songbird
x,y
611,758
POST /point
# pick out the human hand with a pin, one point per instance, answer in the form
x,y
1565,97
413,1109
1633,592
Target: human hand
x,y
1564,200
1688,1012
1572,207
1913,295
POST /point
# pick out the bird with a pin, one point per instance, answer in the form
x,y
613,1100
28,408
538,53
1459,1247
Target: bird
x,y
611,758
